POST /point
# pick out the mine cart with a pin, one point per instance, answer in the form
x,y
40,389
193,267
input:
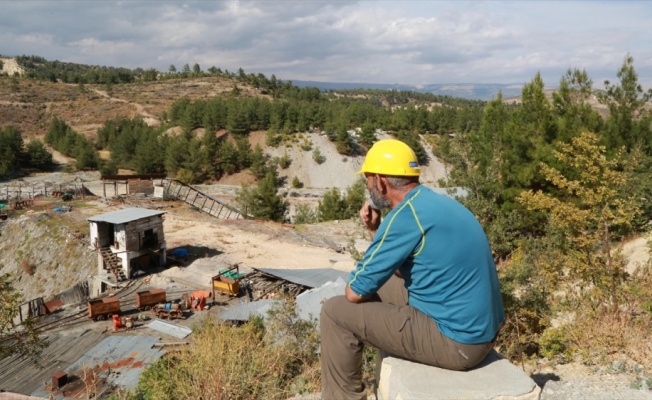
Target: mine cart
x,y
99,309
169,310
147,299
227,281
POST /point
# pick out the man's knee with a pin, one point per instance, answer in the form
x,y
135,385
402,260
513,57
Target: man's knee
x,y
330,306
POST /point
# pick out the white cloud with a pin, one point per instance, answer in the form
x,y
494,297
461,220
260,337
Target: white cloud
x,y
102,48
378,42
35,39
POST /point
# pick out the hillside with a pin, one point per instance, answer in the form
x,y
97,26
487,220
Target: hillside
x,y
471,91
48,251
29,105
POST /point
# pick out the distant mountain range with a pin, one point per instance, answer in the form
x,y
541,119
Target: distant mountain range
x,y
472,91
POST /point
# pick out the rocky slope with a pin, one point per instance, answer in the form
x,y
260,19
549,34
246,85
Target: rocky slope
x,y
46,252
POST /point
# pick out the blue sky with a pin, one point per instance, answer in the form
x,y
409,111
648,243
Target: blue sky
x,y
408,42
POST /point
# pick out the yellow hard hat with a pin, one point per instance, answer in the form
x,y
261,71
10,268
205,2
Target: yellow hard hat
x,y
390,157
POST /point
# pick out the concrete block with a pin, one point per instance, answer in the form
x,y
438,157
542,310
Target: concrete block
x,y
495,378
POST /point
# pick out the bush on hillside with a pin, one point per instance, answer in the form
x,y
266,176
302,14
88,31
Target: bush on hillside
x,y
305,215
318,157
273,358
296,183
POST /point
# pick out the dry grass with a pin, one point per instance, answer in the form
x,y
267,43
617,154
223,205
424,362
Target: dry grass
x,y
247,362
595,335
31,106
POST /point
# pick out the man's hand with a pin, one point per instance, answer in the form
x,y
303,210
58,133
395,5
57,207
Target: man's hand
x,y
370,217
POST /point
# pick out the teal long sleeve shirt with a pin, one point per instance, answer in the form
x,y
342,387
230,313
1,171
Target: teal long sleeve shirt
x,y
444,257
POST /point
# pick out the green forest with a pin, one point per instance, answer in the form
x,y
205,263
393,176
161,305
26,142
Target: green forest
x,y
557,184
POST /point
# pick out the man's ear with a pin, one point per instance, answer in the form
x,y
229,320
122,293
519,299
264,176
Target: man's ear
x,y
383,184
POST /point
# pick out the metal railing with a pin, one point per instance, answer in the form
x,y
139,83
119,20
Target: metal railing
x,y
200,200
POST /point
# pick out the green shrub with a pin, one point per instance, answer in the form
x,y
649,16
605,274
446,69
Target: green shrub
x,y
318,157
305,215
553,343
355,253
284,161
296,183
306,145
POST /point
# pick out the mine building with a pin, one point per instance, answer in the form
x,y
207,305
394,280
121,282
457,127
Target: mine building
x,y
126,241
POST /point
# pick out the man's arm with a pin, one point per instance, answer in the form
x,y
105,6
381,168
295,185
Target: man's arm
x,y
353,297
371,219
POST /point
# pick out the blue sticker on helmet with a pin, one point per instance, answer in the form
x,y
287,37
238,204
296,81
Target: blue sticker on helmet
x,y
413,164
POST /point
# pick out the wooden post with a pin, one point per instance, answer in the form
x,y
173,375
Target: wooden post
x,y
104,188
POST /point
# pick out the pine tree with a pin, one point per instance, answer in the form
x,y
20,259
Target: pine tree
x,y
149,155
209,154
25,341
258,162
572,107
228,157
263,201
332,206
39,157
592,211
368,134
629,121
237,121
11,149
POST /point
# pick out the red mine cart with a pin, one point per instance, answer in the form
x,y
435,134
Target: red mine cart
x,y
99,309
147,299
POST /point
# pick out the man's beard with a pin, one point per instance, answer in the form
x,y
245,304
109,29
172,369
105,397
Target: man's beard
x,y
377,200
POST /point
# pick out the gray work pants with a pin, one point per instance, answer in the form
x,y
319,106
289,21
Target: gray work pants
x,y
389,325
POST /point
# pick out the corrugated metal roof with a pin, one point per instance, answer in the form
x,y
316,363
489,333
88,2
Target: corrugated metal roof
x,y
125,215
118,359
19,374
308,303
313,278
168,328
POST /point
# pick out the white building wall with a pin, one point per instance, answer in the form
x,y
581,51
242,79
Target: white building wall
x,y
94,232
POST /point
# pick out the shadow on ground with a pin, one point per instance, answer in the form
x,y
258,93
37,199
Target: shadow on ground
x,y
193,252
542,379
